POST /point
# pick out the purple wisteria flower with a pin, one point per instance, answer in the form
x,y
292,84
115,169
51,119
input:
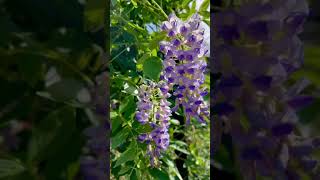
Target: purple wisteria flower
x,y
184,65
154,110
183,73
93,166
93,163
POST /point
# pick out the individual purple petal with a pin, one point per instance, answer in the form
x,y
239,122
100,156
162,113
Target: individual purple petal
x,y
301,150
142,137
300,101
181,57
262,82
176,42
192,87
293,175
198,102
229,33
295,20
169,69
181,71
316,142
171,33
282,129
190,70
258,30
203,93
189,57
251,153
230,81
170,79
223,108
309,164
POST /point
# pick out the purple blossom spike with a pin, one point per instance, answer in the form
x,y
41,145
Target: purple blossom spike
x,y
188,72
153,109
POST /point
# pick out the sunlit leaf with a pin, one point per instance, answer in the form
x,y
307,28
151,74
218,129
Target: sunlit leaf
x,y
152,68
128,155
119,138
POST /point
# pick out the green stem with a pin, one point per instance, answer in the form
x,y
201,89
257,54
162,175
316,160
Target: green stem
x,y
117,55
160,9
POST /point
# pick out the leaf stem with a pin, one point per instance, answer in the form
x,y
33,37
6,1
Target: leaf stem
x,y
117,55
160,9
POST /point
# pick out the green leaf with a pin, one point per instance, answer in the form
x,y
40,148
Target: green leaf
x,y
63,155
204,5
130,89
124,170
116,121
113,114
142,128
52,133
158,174
180,143
310,114
72,171
119,138
179,149
134,176
141,60
10,168
193,7
134,3
94,15
84,59
31,68
173,167
154,44
113,2
65,89
138,174
223,157
129,155
185,3
127,108
245,122
152,68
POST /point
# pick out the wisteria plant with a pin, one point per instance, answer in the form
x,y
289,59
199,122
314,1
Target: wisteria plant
x,y
183,67
162,113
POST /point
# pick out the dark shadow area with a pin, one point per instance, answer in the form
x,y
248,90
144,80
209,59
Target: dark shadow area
x,y
53,99
266,97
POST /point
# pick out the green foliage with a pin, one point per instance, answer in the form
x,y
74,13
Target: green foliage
x,y
128,155
51,53
10,167
152,68
135,57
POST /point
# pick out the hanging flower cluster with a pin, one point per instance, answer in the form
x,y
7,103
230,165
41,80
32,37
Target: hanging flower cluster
x,y
184,65
153,109
93,164
183,73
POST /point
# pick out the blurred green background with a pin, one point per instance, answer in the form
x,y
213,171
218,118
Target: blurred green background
x,y
51,53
